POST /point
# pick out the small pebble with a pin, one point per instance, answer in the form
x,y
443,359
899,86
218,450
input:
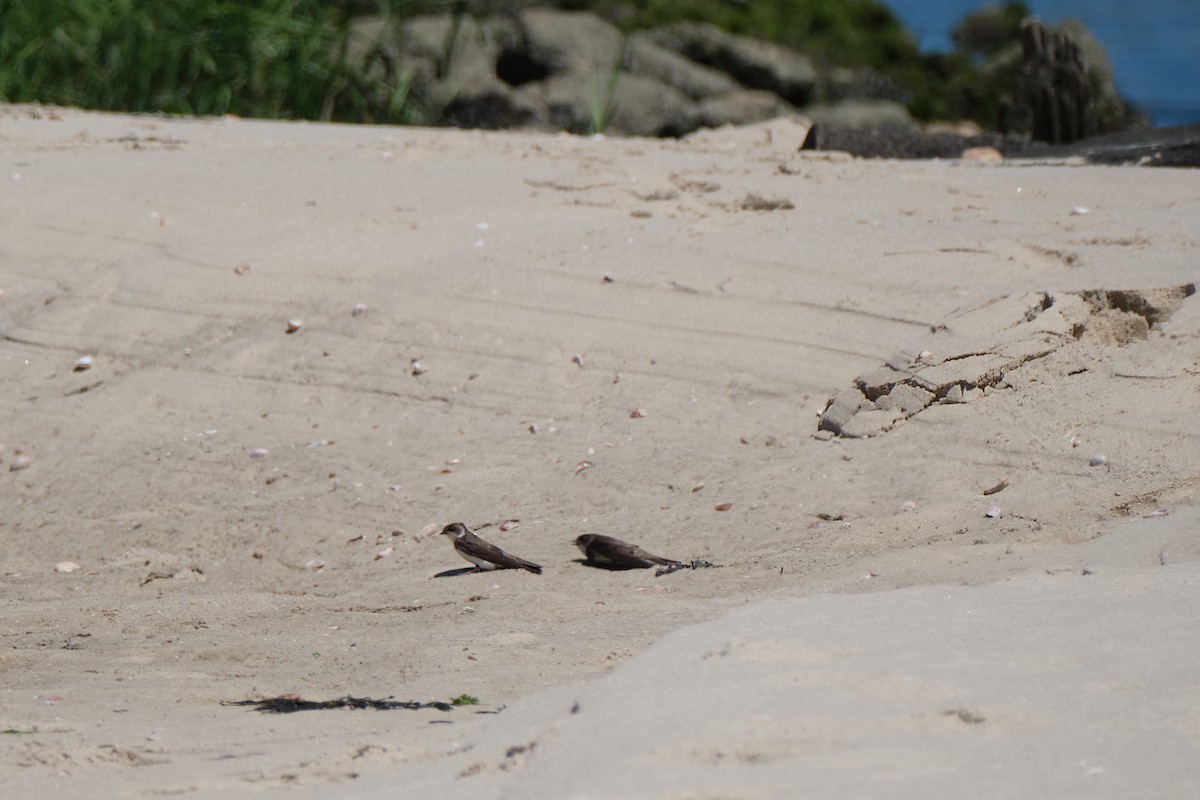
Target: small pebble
x,y
66,566
241,269
84,363
1097,460
259,452
992,512
294,325
358,310
20,461
722,506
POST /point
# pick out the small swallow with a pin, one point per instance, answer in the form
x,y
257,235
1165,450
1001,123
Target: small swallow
x,y
483,555
608,552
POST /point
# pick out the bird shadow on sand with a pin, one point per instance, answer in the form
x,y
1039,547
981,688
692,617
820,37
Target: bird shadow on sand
x,y
587,562
450,573
665,569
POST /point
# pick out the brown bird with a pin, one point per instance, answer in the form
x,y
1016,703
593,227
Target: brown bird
x,y
483,554
608,552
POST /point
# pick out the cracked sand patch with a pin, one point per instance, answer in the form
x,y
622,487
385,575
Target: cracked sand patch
x,y
971,353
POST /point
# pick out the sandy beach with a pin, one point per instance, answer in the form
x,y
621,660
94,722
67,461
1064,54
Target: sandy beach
x,y
250,370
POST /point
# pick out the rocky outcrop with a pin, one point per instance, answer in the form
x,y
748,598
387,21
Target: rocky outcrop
x,y
749,62
554,70
1059,86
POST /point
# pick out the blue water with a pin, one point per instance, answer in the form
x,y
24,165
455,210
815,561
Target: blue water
x,y
1154,45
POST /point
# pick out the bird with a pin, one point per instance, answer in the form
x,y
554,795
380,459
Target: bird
x,y
613,553
484,555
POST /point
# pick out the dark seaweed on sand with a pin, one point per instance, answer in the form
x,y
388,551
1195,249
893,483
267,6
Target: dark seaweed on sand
x,y
289,705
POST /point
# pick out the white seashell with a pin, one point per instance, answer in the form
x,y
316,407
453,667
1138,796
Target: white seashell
x,y
1097,460
384,553
241,269
1079,211
66,566
907,506
992,512
259,452
294,325
358,310
84,363
20,461
416,367
314,563
429,530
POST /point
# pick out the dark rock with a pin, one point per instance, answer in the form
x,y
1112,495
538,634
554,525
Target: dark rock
x,y
1178,146
1056,86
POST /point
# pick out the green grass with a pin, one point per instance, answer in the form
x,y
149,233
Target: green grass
x,y
602,93
255,58
465,700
